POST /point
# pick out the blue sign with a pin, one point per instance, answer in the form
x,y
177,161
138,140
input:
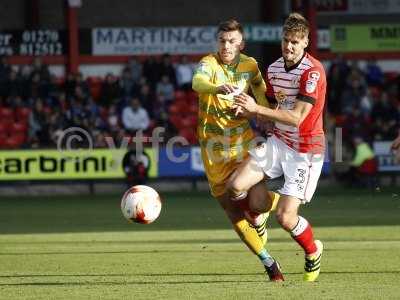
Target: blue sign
x,y
180,162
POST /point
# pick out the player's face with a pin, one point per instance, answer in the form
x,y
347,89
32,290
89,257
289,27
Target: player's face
x,y
293,45
229,45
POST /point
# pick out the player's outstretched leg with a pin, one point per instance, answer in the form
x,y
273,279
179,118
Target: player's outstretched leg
x,y
271,265
259,223
274,272
250,237
312,266
247,188
260,203
302,233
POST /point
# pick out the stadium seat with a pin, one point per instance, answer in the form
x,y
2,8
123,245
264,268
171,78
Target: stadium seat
x,y
182,107
186,123
6,114
4,127
15,141
3,140
18,128
189,135
174,109
180,96
192,97
193,108
192,121
176,120
22,114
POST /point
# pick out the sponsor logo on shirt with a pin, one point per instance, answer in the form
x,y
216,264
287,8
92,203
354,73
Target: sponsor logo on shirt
x,y
314,75
311,85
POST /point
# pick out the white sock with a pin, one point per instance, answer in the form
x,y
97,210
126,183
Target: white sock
x,y
300,227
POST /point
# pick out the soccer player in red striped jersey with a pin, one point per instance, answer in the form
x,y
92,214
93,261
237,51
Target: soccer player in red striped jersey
x,y
297,82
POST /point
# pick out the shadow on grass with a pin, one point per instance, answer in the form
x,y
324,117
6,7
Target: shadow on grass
x,y
185,211
184,274
161,282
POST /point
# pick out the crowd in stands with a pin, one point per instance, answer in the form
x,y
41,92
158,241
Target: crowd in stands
x,y
36,106
363,102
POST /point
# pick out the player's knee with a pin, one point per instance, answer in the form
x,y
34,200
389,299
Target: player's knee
x,y
285,219
234,186
258,205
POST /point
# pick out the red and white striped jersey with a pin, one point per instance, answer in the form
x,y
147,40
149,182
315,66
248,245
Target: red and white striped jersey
x,y
304,81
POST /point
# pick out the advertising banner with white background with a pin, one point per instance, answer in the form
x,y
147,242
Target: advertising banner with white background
x,y
179,40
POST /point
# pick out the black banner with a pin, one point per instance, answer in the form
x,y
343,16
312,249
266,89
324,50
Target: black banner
x,y
33,42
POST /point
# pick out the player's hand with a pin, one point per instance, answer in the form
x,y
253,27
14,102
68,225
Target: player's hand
x,y
247,103
396,149
226,89
239,111
396,144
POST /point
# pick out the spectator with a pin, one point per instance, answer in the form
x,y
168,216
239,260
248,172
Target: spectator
x,y
184,74
52,92
13,85
113,119
363,167
40,69
136,167
147,98
110,91
5,70
374,74
168,69
127,84
135,117
384,118
82,84
135,68
165,90
152,71
37,87
355,122
38,125
69,85
366,104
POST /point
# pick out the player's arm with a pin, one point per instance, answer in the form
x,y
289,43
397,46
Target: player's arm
x,y
290,117
310,84
201,82
259,88
396,142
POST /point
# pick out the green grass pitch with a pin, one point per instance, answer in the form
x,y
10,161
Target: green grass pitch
x,y
82,248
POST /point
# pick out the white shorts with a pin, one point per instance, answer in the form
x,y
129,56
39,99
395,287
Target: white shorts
x,y
301,170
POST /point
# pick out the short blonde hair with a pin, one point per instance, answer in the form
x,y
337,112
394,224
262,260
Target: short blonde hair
x,y
297,24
